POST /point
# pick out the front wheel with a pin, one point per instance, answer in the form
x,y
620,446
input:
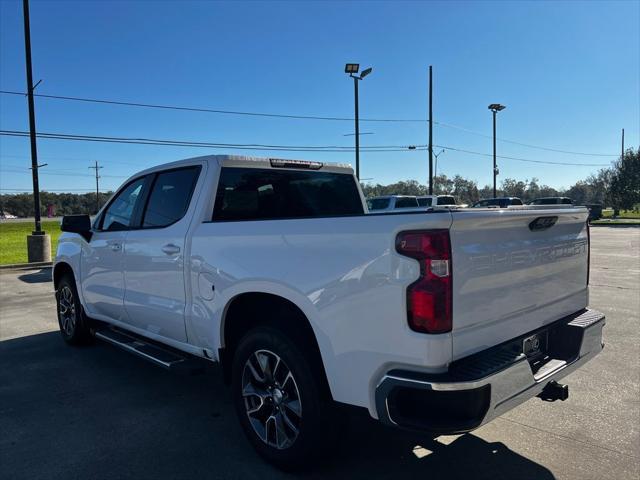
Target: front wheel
x,y
279,401
71,319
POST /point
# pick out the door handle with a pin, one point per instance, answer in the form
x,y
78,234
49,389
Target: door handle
x,y
171,249
116,247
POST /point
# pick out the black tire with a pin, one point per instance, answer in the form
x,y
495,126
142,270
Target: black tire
x,y
315,424
73,323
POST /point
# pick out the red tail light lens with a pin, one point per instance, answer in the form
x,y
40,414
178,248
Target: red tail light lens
x,y
429,297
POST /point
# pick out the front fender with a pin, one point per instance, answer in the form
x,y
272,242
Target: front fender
x,y
69,252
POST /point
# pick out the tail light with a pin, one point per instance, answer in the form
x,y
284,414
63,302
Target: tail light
x,y
429,297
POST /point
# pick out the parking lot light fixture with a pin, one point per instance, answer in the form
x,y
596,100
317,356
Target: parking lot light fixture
x,y
352,70
495,108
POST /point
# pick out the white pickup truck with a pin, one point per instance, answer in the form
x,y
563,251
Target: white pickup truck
x,y
437,321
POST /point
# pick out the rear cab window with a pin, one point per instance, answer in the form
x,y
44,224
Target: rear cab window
x,y
270,194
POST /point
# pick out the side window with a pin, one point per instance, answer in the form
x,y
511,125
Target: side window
x,y
170,197
119,213
406,202
378,203
424,202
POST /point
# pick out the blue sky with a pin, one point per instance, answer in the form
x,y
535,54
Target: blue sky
x,y
568,72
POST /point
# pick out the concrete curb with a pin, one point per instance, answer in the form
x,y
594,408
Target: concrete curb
x,y
616,225
26,266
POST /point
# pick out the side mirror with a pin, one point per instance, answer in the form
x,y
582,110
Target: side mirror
x,y
80,224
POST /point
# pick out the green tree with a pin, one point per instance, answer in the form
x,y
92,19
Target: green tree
x,y
465,191
624,189
581,193
514,188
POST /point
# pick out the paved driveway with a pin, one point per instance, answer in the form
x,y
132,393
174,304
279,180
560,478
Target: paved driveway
x,y
97,412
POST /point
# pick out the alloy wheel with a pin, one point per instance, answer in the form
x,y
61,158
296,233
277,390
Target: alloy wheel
x,y
272,399
67,310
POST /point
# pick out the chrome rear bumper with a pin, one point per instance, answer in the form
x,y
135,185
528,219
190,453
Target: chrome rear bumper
x,y
485,385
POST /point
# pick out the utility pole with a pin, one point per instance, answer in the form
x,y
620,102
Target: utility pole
x,y
430,131
38,243
96,168
32,119
622,156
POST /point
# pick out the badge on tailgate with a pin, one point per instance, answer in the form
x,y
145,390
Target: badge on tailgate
x,y
542,223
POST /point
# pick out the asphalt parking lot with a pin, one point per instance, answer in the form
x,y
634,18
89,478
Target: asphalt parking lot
x,y
97,412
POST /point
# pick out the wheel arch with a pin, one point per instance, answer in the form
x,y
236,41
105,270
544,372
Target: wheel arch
x,y
61,269
248,310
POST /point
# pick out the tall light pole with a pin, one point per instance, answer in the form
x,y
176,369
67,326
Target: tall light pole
x,y
495,108
352,70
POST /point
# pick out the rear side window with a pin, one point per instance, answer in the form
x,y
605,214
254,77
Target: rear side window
x,y
424,202
378,203
262,194
446,201
170,197
406,202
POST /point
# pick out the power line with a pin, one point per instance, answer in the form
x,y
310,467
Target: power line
x,y
187,143
58,172
548,149
264,147
211,110
299,117
524,159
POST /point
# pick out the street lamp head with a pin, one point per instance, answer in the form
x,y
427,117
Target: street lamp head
x,y
351,68
365,72
496,107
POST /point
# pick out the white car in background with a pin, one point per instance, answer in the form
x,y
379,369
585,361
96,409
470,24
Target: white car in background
x,y
393,203
437,201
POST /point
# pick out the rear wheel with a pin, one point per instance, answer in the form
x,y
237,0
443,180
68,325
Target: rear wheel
x,y
71,319
279,401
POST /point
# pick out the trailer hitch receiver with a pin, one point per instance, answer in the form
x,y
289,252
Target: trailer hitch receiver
x,y
554,391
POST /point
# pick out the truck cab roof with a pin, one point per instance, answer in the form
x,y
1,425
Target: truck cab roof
x,y
240,161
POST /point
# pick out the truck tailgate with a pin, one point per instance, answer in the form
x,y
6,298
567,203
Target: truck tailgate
x,y
515,270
